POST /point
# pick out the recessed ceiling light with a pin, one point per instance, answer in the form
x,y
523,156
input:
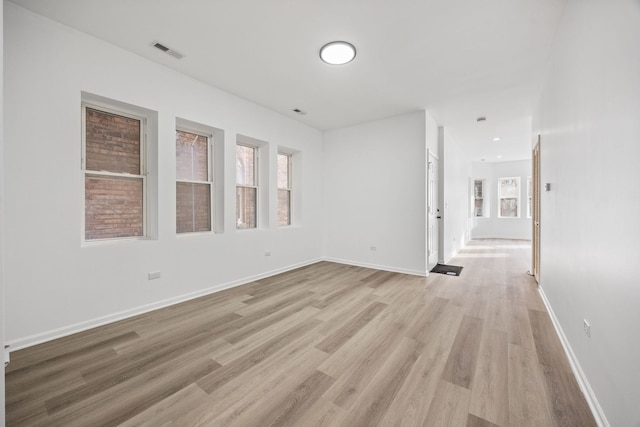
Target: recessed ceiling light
x,y
496,139
337,53
481,119
299,111
498,157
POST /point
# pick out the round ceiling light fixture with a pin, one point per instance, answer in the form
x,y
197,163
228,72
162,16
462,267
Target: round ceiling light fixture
x,y
337,53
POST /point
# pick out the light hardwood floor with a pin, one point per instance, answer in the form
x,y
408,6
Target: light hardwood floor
x,y
324,345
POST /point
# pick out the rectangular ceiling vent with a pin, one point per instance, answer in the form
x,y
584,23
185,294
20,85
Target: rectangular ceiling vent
x,y
167,50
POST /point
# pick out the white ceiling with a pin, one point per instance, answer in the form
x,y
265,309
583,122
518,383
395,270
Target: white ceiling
x,y
457,59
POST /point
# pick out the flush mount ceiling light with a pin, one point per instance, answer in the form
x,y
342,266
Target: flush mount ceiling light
x,y
496,139
337,53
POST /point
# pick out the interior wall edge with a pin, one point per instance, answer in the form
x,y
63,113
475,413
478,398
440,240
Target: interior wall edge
x,y
581,378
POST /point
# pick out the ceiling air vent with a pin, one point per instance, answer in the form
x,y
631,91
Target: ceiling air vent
x,y
167,50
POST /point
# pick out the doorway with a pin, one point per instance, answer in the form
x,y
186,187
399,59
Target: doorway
x,y
536,211
433,211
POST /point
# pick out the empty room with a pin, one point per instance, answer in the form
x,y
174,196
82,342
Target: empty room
x,y
320,213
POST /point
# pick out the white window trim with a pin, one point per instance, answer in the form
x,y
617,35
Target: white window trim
x,y
289,181
209,181
518,203
256,181
85,172
483,198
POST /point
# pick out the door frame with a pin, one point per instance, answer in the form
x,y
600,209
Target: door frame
x,y
535,247
435,191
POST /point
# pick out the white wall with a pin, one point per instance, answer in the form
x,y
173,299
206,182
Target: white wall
x,y
56,285
374,182
589,119
457,213
2,416
492,226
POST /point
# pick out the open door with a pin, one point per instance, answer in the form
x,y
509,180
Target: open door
x,y
433,212
536,211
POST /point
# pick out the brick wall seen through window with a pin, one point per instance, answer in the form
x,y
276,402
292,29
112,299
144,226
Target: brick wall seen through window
x,y
284,189
246,187
193,185
114,180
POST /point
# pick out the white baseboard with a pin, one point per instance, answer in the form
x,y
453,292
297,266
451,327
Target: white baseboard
x,y
104,320
377,266
583,382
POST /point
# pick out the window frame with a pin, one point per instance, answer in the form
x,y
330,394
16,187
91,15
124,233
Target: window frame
x,y
483,198
256,182
290,185
518,198
209,181
122,112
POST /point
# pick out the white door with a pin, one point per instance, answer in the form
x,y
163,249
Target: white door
x,y
433,212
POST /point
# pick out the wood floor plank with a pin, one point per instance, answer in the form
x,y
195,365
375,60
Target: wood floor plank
x,y
207,321
377,278
287,411
323,345
365,348
276,302
52,366
228,372
413,401
120,403
372,404
103,337
528,405
114,374
460,367
450,408
490,394
170,409
350,328
567,402
345,307
426,318
357,374
323,414
226,355
257,322
474,421
239,398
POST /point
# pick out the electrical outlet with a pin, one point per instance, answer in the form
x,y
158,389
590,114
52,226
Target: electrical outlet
x,y
154,275
587,327
373,248
267,253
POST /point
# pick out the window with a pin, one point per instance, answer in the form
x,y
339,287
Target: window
x,y
246,186
284,189
478,195
113,161
509,197
193,182
529,197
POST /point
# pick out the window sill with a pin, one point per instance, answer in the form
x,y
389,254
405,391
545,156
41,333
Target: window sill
x,y
116,241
